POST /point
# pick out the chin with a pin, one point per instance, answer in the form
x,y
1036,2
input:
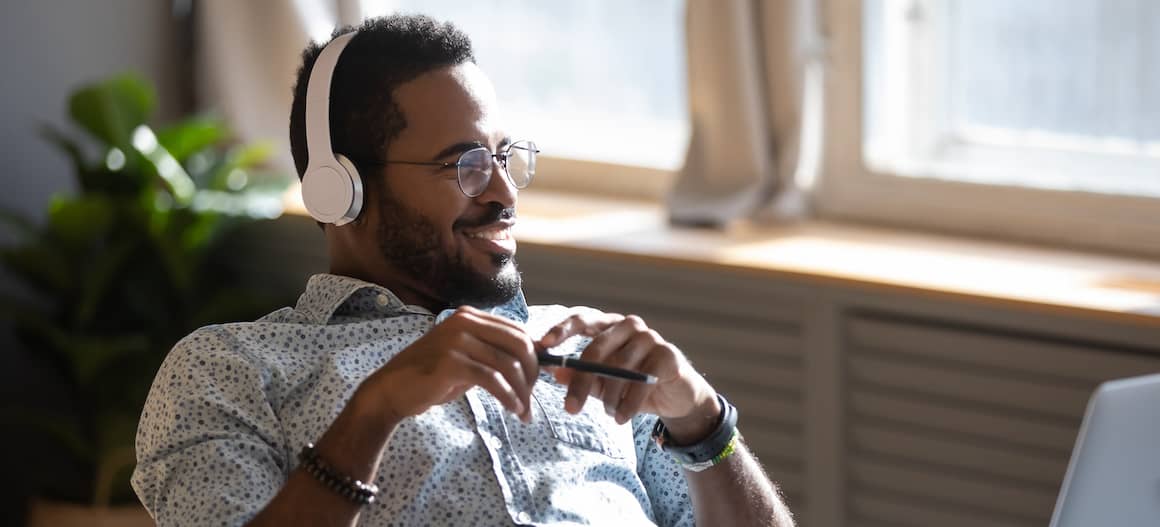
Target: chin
x,y
494,285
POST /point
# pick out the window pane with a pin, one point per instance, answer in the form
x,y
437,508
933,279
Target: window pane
x,y
1073,67
1055,94
597,79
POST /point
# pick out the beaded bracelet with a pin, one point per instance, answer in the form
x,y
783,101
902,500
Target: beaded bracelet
x,y
352,489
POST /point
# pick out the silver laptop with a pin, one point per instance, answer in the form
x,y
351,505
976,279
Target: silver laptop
x,y
1114,475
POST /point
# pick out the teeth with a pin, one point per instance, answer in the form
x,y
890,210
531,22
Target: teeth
x,y
498,234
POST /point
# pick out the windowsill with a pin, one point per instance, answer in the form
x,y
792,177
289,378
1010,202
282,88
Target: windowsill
x,y
1025,277
1014,275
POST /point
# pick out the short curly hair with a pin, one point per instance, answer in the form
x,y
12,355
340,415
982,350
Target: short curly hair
x,y
387,52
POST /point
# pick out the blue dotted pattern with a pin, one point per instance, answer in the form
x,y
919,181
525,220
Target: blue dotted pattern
x,y
233,404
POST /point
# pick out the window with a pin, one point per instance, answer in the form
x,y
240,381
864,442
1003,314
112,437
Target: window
x,y
601,81
1037,119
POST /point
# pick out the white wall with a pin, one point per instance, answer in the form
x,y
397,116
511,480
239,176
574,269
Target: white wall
x,y
51,46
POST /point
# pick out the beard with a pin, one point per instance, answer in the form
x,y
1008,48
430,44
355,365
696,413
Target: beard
x,y
414,245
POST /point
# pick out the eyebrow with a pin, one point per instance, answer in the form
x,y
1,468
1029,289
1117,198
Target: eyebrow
x,y
459,148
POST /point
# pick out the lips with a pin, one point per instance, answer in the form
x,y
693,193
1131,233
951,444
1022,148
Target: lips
x,y
495,238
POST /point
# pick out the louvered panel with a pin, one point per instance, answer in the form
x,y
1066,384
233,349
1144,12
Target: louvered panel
x,y
788,475
932,485
614,283
968,422
863,522
950,426
990,351
772,442
780,411
969,386
759,375
981,457
870,509
742,338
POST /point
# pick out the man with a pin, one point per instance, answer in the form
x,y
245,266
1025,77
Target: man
x,y
412,366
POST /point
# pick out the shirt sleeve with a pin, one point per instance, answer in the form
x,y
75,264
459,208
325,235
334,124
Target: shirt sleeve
x,y
667,489
210,449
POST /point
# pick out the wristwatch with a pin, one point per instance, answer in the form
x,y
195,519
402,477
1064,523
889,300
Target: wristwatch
x,y
719,445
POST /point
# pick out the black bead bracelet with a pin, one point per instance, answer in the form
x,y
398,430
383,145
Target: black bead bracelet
x,y
345,486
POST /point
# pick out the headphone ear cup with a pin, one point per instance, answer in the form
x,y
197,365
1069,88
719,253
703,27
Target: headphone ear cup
x,y
356,185
333,192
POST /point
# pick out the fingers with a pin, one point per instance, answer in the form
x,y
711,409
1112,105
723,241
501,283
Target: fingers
x,y
506,336
502,346
588,324
604,344
635,394
581,385
640,346
483,375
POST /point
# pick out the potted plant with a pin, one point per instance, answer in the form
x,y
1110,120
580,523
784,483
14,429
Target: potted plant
x,y
124,267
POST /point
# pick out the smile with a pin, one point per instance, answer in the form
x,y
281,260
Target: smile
x,y
502,232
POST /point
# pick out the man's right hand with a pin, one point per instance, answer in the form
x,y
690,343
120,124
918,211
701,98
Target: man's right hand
x,y
469,348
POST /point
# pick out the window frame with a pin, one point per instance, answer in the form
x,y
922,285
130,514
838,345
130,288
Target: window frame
x,y
850,189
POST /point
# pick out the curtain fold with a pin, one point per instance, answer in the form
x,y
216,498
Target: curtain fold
x,y
247,55
747,65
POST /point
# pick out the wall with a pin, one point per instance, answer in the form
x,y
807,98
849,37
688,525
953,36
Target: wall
x,y
50,46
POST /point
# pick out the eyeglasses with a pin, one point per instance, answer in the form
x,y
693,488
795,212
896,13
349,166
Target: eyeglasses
x,y
474,166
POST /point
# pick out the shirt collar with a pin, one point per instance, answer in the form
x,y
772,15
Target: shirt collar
x,y
328,295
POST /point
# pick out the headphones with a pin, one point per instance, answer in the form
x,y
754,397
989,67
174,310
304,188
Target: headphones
x,y
331,187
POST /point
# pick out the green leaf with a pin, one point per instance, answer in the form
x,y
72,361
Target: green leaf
x,y
231,305
112,109
202,232
40,265
254,205
192,135
163,165
66,145
233,173
88,355
81,221
252,154
91,355
100,276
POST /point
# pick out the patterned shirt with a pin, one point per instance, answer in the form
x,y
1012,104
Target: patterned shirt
x,y
233,404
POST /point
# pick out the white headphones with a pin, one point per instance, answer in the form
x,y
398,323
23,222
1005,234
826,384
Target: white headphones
x,y
331,187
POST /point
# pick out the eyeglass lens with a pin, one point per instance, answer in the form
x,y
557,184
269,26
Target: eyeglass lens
x,y
518,160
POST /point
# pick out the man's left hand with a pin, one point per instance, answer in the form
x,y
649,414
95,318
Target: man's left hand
x,y
682,398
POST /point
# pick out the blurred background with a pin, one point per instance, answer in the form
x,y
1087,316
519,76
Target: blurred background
x,y
907,237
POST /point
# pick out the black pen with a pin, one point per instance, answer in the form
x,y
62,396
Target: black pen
x,y
560,361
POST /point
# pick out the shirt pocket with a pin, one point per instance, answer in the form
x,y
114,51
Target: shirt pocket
x,y
590,429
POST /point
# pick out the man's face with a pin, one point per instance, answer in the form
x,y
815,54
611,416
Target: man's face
x,y
455,249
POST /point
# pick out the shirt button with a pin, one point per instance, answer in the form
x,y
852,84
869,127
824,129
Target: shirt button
x,y
495,443
383,300
524,517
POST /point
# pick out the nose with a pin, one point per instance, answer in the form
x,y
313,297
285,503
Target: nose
x,y
499,187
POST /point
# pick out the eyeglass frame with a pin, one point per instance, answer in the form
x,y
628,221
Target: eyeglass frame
x,y
458,179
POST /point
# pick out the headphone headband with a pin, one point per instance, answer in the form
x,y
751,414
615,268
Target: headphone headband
x,y
331,187
318,100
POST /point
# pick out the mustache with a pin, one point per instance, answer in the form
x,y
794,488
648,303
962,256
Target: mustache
x,y
494,213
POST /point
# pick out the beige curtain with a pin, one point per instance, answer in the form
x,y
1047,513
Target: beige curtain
x,y
751,66
247,55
